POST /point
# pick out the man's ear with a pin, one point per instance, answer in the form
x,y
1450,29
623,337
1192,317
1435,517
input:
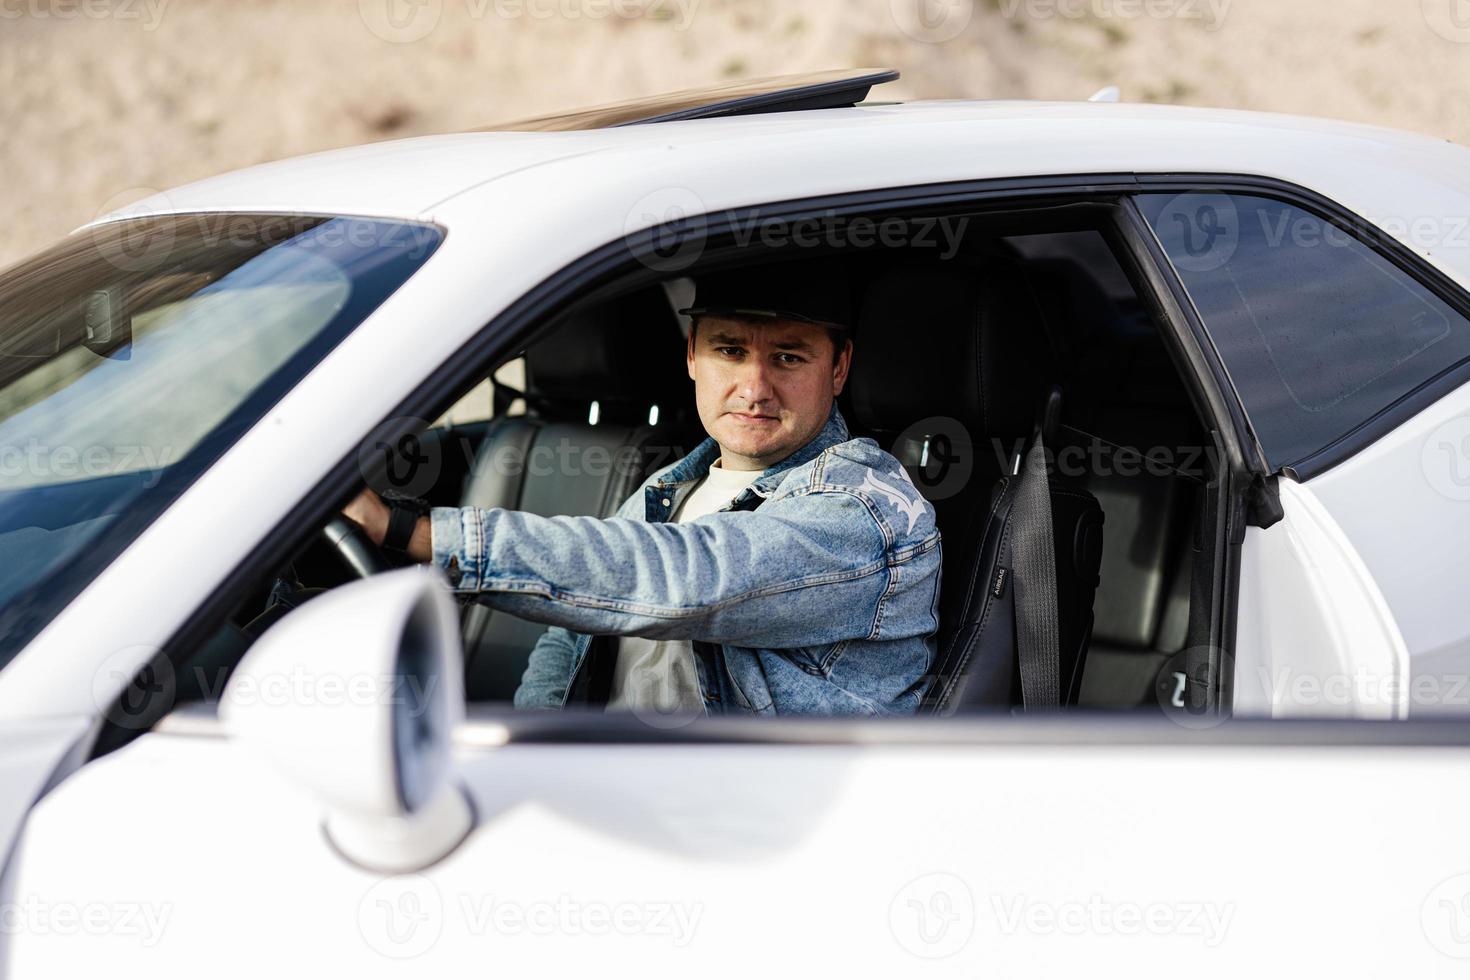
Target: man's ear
x,y
689,353
841,367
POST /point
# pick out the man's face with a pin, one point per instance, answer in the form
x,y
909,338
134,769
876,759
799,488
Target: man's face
x,y
764,387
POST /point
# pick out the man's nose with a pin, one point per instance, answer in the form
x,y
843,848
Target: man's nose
x,y
754,383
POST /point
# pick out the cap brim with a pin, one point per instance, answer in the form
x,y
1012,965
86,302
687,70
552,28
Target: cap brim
x,y
767,314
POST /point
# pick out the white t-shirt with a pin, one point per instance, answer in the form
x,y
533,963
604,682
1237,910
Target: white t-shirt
x,y
659,675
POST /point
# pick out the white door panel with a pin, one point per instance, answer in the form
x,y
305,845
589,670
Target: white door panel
x,y
1405,503
1314,636
733,861
31,751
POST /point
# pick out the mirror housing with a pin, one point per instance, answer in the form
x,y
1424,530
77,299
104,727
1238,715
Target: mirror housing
x,y
353,698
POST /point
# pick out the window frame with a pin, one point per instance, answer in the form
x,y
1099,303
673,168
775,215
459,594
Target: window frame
x,y
621,265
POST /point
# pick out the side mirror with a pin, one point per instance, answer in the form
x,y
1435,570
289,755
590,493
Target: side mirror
x,y
353,698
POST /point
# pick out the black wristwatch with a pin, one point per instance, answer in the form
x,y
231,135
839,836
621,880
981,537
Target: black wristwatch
x,y
403,517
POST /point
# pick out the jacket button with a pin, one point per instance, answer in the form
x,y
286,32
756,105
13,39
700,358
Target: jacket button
x,y
665,502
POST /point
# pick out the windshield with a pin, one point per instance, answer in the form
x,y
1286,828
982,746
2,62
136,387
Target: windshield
x,y
134,354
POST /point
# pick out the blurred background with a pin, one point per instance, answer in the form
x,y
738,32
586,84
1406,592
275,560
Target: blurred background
x,y
105,101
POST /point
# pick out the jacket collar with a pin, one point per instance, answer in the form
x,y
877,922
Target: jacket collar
x,y
696,464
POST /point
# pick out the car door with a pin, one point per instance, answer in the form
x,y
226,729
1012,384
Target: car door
x,y
603,845
1349,356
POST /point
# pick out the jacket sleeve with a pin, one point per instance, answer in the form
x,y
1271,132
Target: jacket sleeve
x,y
549,672
808,569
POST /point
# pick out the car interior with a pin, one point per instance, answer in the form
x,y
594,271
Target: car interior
x,y
958,354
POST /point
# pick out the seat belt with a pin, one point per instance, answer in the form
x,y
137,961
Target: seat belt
x,y
1038,634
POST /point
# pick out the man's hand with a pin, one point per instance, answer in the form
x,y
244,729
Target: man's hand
x,y
369,511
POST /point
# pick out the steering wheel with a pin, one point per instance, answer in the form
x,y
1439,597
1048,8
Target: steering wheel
x,y
355,548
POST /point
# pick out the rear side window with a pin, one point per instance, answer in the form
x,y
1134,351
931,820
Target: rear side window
x,y
1319,332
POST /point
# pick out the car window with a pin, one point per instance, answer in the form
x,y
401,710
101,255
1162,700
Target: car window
x,y
133,354
478,404
1318,332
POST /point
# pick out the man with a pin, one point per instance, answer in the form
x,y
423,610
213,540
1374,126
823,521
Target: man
x,y
782,567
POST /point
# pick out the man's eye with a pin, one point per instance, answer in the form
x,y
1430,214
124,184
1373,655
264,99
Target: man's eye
x,y
729,351
790,359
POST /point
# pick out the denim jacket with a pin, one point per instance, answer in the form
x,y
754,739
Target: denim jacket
x,y
816,591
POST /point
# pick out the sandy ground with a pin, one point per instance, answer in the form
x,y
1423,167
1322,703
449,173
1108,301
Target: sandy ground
x,y
103,100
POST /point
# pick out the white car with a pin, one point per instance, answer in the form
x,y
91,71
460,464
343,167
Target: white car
x,y
1258,330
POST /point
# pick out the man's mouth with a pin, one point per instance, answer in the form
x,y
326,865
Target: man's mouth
x,y
753,419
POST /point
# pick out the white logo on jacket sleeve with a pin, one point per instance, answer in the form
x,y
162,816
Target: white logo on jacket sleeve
x,y
912,509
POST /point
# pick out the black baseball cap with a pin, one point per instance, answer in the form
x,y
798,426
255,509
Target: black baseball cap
x,y
809,291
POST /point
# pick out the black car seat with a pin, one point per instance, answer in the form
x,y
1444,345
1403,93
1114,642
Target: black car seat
x,y
565,457
951,370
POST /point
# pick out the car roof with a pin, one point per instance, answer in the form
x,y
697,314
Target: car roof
x,y
743,160
406,178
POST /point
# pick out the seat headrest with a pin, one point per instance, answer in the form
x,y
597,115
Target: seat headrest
x,y
959,342
624,353
1075,304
